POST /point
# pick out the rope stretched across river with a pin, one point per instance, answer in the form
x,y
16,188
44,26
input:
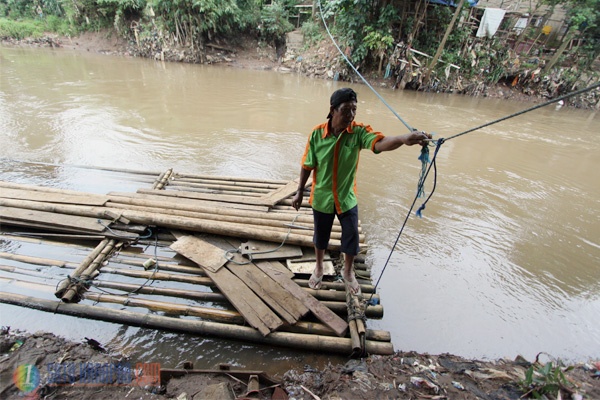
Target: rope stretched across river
x,y
426,164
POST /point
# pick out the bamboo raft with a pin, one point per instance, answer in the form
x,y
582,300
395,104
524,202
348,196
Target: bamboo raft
x,y
217,256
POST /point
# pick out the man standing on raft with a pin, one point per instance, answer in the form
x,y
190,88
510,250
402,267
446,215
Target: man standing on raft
x,y
332,153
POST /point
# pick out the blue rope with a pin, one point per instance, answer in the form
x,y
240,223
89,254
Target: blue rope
x,y
432,164
438,144
424,158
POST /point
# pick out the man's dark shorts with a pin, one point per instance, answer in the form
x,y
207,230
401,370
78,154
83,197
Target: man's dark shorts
x,y
348,221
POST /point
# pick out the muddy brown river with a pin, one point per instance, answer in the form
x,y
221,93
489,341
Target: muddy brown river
x,y
504,262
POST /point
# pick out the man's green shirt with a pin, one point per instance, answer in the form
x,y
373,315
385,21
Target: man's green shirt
x,y
334,162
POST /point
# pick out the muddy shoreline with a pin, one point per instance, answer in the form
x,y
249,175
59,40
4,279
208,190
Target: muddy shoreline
x,y
86,370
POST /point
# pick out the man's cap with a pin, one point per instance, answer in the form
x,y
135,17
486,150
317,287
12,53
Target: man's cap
x,y
341,96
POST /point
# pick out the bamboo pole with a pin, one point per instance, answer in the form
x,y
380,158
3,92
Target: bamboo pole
x,y
197,206
215,191
63,286
305,327
324,344
232,179
333,299
151,290
330,291
74,290
355,338
36,237
163,179
357,327
231,317
225,183
21,271
340,286
316,328
163,266
338,307
225,188
278,235
32,260
335,295
160,276
264,220
224,229
173,195
330,298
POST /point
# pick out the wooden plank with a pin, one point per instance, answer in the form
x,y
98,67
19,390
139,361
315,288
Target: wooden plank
x,y
49,197
54,219
199,251
282,193
306,264
260,250
28,224
324,314
279,299
276,266
252,308
206,196
113,234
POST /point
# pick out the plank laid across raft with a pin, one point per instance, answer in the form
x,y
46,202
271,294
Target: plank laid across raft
x,y
206,217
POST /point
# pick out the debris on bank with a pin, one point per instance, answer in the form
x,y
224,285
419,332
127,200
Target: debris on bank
x,y
404,375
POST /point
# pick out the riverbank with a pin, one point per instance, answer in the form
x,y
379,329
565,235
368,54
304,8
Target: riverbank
x,y
400,376
320,62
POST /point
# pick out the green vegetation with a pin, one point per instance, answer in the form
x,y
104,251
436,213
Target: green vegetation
x,y
21,30
545,379
374,35
312,33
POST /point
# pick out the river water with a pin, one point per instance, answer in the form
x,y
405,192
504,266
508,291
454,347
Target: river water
x,y
504,262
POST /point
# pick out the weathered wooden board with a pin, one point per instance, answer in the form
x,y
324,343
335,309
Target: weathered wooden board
x,y
279,299
260,250
49,197
199,251
306,264
113,233
282,193
53,219
277,266
252,308
324,314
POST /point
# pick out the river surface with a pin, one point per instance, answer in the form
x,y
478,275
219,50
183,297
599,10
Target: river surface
x,y
504,262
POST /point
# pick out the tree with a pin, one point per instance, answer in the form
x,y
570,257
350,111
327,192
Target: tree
x,y
584,23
